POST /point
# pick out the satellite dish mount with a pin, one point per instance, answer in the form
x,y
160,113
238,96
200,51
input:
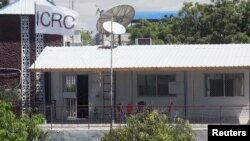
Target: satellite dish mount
x,y
113,28
114,22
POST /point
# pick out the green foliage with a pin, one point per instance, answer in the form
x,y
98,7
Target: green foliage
x,y
31,121
151,127
222,21
86,38
13,128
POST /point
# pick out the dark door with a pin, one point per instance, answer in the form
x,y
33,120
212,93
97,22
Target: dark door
x,y
82,96
47,84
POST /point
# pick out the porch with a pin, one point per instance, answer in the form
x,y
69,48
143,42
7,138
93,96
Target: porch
x,y
209,97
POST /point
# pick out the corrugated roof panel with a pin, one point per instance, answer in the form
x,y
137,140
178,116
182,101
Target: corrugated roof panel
x,y
145,57
22,7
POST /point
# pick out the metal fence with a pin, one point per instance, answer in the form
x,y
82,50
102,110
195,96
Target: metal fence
x,y
100,115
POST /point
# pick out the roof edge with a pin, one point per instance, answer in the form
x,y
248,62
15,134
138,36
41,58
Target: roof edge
x,y
139,69
16,2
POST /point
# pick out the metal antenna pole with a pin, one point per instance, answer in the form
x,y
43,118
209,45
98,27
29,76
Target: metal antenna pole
x,y
111,73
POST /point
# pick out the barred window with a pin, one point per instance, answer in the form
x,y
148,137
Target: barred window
x,y
154,85
224,84
69,83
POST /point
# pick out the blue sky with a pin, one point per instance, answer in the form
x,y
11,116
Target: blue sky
x,y
87,8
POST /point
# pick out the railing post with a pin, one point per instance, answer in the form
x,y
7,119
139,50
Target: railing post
x,y
89,116
220,113
51,114
202,116
249,112
185,94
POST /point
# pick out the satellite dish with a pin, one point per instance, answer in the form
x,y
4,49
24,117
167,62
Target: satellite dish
x,y
114,27
122,14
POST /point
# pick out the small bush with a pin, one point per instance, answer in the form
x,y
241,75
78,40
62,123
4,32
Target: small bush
x,y
151,127
24,128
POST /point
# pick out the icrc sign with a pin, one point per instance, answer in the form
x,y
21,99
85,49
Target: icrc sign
x,y
55,20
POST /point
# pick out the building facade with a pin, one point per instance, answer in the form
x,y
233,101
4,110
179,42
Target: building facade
x,y
19,47
202,82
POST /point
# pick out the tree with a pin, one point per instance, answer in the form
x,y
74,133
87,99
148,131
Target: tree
x,y
13,128
146,29
86,38
221,21
151,127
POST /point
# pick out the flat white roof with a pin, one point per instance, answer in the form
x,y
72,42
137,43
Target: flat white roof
x,y
146,57
22,7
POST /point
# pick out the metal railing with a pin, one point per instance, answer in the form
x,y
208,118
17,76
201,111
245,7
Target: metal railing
x,y
95,116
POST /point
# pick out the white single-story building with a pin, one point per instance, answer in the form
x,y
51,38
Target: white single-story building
x,y
204,81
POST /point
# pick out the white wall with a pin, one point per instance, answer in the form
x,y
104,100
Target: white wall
x,y
95,89
56,92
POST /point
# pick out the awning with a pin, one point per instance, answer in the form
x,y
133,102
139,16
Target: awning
x,y
22,7
144,58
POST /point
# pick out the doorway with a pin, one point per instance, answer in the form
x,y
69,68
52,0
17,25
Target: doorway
x,y
82,96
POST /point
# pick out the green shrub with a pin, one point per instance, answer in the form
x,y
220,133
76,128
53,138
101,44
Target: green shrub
x,y
24,128
11,129
151,127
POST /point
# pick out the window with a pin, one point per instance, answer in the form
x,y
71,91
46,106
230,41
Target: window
x,y
228,84
69,83
154,85
146,85
67,43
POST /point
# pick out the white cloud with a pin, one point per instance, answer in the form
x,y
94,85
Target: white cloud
x,y
87,8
